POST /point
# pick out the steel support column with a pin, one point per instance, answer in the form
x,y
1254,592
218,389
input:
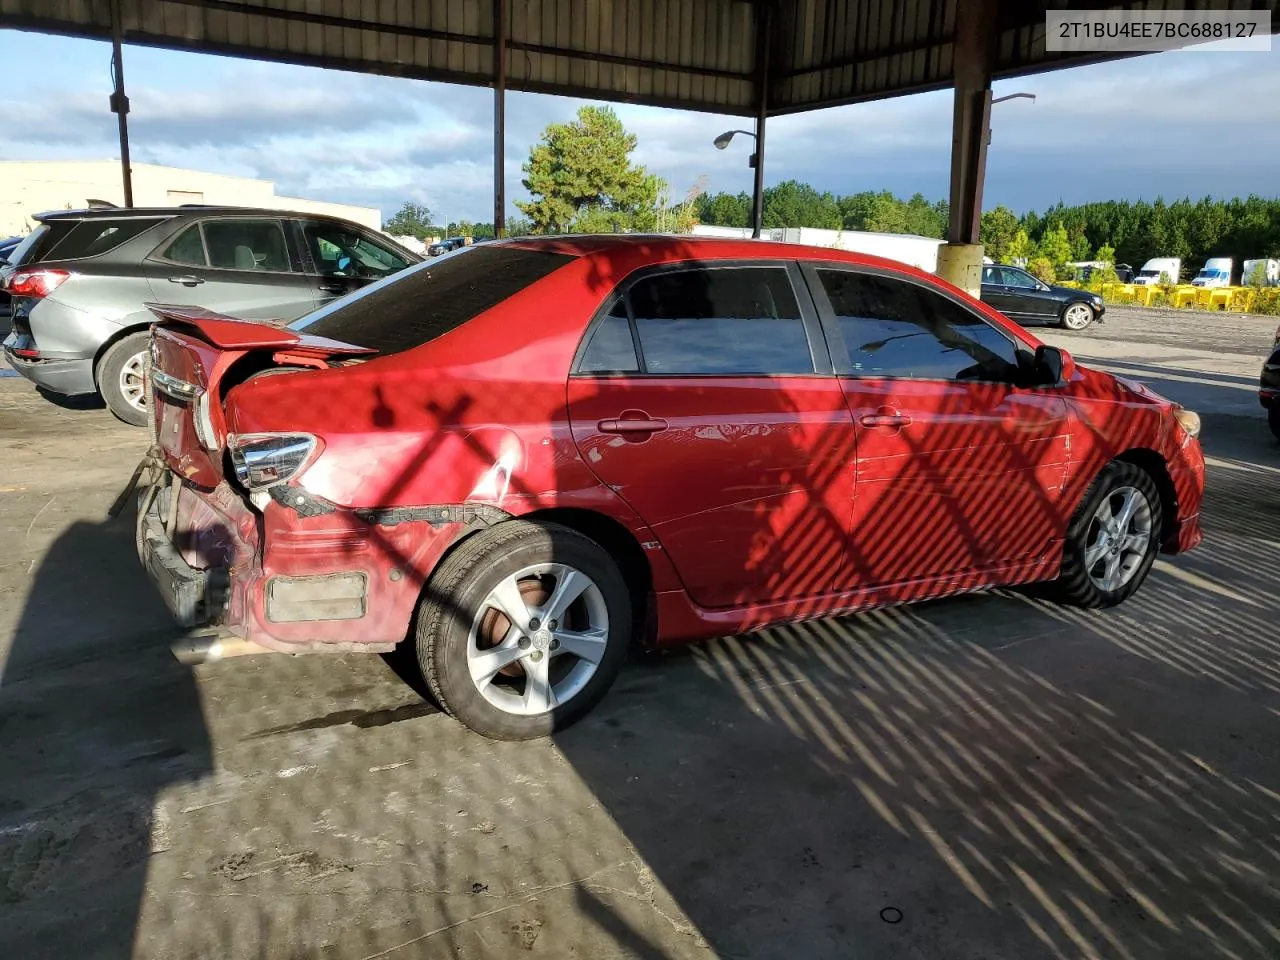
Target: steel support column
x,y
120,102
499,117
764,23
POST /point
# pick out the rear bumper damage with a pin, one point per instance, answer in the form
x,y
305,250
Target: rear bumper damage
x,y
337,582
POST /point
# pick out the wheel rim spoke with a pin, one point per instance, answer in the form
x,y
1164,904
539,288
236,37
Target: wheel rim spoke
x,y
1094,554
586,645
570,585
539,696
1135,543
1105,517
507,599
485,664
1126,512
1111,578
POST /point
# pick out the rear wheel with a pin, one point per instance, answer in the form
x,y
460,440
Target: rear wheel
x,y
1077,316
1273,420
1113,539
523,629
121,378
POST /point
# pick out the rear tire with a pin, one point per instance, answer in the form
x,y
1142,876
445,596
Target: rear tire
x,y
1112,539
1273,420
1077,316
121,378
546,665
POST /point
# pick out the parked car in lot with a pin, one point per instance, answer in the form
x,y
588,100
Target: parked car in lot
x,y
1025,298
83,278
446,245
523,458
1269,387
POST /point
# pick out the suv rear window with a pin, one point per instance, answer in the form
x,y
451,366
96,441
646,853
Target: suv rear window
x,y
39,241
88,238
428,300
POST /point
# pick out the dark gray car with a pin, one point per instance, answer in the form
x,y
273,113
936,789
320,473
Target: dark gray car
x,y
80,280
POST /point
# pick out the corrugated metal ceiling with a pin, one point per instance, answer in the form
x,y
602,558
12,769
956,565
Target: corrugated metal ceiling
x,y
695,54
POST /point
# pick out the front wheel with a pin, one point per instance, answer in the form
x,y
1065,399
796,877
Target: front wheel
x,y
1273,420
122,378
523,629
1077,316
1112,540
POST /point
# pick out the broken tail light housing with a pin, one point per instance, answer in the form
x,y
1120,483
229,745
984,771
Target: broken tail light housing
x,y
262,460
35,283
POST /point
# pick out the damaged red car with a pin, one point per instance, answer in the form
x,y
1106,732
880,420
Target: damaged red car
x,y
523,457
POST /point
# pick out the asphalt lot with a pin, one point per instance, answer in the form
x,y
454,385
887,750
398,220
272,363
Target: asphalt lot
x,y
986,777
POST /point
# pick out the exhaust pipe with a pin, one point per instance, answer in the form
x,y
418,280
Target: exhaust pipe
x,y
207,647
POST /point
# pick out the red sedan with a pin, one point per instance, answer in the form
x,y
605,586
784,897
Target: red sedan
x,y
525,456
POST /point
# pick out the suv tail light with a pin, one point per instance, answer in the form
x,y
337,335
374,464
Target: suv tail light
x,y
262,460
35,283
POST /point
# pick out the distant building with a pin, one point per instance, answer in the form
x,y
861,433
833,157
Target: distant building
x,y
28,187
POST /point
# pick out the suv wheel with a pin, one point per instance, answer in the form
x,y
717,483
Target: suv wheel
x,y
523,629
122,378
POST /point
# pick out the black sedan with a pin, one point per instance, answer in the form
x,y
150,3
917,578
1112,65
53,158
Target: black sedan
x,y
1028,300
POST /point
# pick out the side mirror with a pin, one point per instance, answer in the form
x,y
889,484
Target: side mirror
x,y
1052,365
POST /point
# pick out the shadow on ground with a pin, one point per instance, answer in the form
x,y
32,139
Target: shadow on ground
x,y
96,720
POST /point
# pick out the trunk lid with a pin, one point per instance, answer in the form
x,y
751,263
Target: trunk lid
x,y
196,357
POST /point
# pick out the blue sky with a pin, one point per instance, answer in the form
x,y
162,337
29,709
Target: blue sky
x,y
1174,124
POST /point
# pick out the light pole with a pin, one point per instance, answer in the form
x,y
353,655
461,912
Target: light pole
x,y
1009,96
757,213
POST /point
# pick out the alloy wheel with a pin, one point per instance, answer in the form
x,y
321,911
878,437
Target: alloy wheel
x,y
132,381
538,638
1119,538
1078,316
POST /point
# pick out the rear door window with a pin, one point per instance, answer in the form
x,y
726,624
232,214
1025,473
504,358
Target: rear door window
x,y
256,245
724,321
429,299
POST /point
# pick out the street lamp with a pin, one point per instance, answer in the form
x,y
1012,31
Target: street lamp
x,y
721,142
1009,96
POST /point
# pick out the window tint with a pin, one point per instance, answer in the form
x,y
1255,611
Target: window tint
x,y
88,238
187,247
734,320
892,328
992,275
429,299
1017,278
340,252
246,245
611,348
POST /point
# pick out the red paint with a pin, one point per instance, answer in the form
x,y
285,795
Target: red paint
x,y
756,500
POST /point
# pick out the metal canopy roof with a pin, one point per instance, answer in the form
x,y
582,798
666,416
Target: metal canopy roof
x,y
692,54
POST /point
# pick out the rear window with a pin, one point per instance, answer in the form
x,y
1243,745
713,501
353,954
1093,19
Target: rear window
x,y
89,238
38,242
429,299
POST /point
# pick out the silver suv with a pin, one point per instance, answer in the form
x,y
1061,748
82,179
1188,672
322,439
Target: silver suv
x,y
80,280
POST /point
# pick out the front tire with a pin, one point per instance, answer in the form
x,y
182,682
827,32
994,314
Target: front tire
x,y
1077,316
121,378
1112,540
523,629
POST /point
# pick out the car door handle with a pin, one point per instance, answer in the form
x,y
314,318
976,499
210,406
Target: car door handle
x,y
885,419
333,288
633,426
187,281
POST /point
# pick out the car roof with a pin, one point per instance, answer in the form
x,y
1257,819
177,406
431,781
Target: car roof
x,y
190,210
653,249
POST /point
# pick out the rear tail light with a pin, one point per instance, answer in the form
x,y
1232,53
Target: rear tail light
x,y
35,283
262,460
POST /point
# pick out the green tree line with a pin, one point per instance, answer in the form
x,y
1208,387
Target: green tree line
x,y
1126,231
